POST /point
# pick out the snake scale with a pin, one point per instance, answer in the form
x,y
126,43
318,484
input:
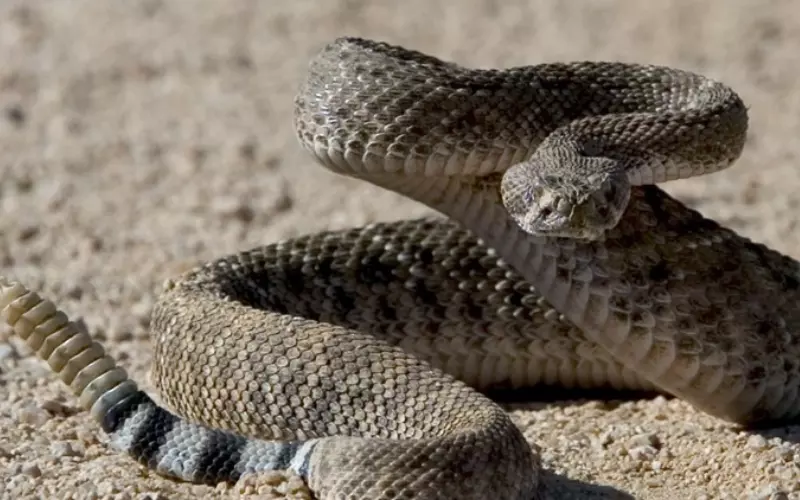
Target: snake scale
x,y
352,357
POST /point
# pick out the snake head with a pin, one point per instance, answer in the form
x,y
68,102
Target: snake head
x,y
569,205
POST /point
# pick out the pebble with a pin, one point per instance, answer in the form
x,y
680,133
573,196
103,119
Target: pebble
x,y
27,232
7,351
87,492
150,495
64,449
106,488
284,202
642,453
233,207
31,469
15,114
271,484
757,442
602,441
785,453
58,408
86,437
33,415
15,482
648,440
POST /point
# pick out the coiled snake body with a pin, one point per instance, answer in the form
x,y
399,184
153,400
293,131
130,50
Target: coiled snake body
x,y
337,354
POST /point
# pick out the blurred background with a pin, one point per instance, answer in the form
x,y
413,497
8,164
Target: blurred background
x,y
139,138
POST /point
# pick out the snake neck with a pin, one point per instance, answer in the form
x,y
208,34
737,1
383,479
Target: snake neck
x,y
648,294
475,203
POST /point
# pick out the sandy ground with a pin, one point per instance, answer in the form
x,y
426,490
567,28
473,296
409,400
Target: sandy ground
x,y
138,138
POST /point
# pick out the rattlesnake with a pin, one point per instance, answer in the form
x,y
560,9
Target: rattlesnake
x,y
337,354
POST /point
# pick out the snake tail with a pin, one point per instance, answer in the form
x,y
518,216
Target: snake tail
x,y
135,424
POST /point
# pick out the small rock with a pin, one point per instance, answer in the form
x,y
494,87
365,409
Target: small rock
x,y
7,351
15,482
273,483
75,292
16,115
31,469
272,163
87,437
642,453
29,232
87,491
63,449
247,150
757,442
106,488
234,208
33,415
654,483
151,495
650,440
601,441
24,184
58,408
785,452
284,202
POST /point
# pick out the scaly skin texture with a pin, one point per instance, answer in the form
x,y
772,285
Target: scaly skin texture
x,y
347,356
572,137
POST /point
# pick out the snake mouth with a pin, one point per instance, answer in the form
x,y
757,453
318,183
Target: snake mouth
x,y
560,227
